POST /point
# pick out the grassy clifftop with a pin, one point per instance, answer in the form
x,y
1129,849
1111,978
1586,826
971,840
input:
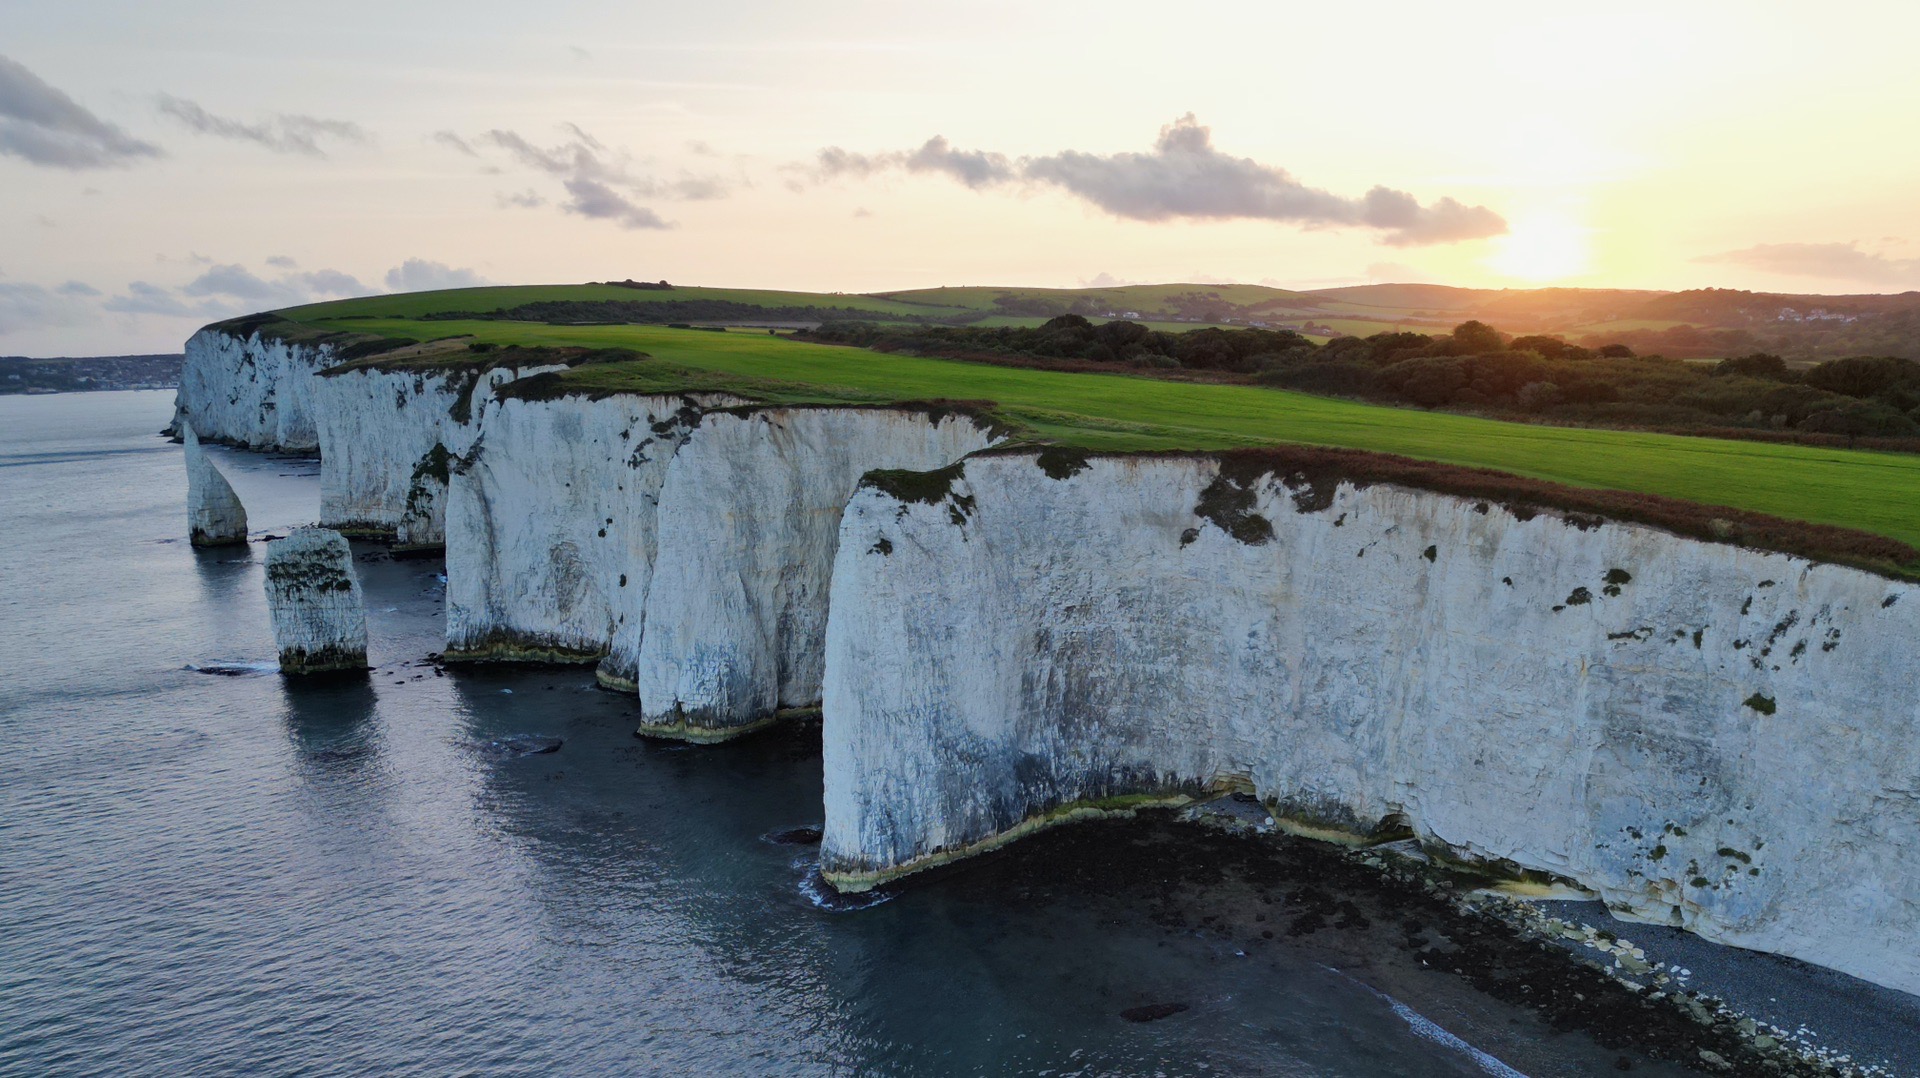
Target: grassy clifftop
x,y
1869,491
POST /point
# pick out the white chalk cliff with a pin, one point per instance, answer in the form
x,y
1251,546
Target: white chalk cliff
x,y
550,527
319,618
251,390
1707,736
388,438
735,622
215,516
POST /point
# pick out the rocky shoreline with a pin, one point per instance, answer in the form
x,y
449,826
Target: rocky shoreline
x,y
1544,955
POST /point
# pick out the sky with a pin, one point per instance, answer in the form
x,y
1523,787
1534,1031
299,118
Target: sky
x,y
167,165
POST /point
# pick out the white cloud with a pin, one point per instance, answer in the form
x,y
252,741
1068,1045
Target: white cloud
x,y
281,133
601,183
1828,261
1186,178
420,275
29,306
46,127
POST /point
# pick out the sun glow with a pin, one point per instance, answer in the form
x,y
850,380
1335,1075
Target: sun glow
x,y
1542,247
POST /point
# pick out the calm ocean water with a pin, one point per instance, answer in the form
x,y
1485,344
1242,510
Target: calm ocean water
x,y
207,874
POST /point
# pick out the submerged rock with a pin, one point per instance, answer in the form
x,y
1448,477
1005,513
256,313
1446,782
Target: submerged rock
x,y
1152,1012
215,516
319,621
521,745
794,836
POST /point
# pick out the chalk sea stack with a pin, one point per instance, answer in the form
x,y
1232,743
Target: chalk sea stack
x,y
215,516
319,620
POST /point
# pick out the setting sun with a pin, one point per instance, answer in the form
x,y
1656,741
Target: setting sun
x,y
1541,247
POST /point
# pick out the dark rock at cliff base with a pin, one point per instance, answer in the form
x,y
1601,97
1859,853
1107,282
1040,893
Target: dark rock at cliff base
x,y
825,896
516,745
234,669
794,836
1152,1012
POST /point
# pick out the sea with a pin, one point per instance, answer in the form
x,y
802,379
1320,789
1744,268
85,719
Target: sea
x,y
209,869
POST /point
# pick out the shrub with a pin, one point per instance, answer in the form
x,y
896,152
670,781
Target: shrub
x,y
1538,396
1429,381
1864,376
1757,365
1861,419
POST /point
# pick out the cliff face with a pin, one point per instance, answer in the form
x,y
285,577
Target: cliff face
x,y
550,527
387,441
687,548
749,517
252,391
1707,736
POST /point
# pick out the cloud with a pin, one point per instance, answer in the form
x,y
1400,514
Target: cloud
x,y
584,158
229,289
591,198
1832,261
328,282
77,288
281,133
1184,177
976,169
526,200
145,298
420,275
46,127
600,183
448,138
29,306
232,280
282,262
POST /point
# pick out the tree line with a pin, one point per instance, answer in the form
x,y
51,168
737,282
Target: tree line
x,y
1474,368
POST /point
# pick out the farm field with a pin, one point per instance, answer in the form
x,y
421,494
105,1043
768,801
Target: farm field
x,y
1870,491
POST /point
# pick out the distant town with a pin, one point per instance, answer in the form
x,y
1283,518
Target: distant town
x,y
80,374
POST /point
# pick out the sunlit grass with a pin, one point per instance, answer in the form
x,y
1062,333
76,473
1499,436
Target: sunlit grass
x,y
1875,492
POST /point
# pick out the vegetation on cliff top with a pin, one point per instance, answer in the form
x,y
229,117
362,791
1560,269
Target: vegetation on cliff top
x,y
1312,473
1870,491
1472,368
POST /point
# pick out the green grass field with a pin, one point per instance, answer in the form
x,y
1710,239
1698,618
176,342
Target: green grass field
x,y
1148,299
1870,491
416,304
